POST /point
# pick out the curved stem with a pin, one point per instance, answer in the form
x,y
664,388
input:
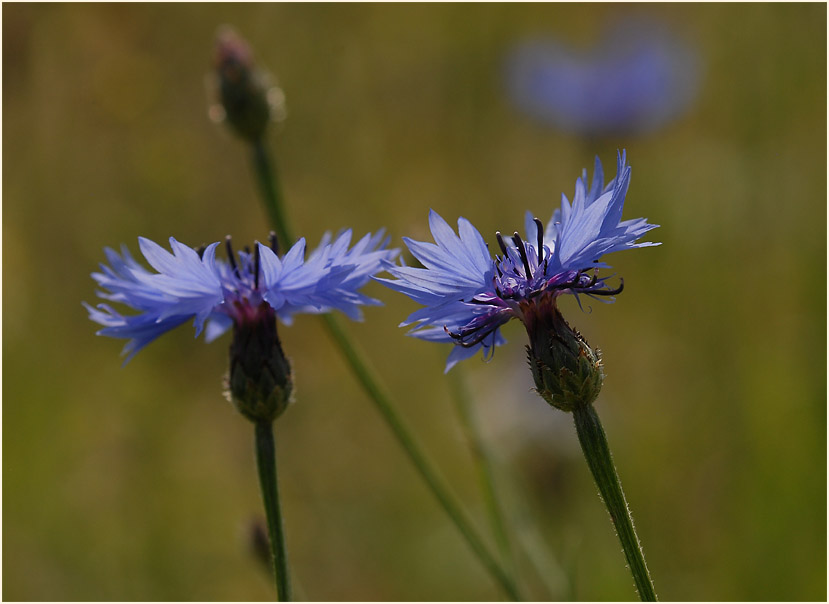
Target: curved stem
x,y
483,461
266,464
597,453
371,383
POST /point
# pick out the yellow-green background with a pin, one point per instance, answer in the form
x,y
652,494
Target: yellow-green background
x,y
138,482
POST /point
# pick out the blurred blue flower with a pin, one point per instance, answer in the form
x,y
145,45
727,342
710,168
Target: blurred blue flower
x,y
637,78
467,295
191,284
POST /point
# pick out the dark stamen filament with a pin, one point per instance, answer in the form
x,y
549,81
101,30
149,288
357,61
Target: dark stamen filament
x,y
501,243
577,279
256,268
231,257
540,230
609,292
458,337
274,242
523,252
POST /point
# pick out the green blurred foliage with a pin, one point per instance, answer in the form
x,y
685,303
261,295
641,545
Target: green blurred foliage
x,y
138,483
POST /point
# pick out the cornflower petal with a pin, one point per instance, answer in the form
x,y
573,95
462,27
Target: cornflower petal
x,y
140,330
456,247
330,277
216,326
191,283
271,267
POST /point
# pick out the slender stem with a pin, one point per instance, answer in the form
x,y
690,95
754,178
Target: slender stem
x,y
371,383
483,461
268,180
269,187
530,549
266,463
597,453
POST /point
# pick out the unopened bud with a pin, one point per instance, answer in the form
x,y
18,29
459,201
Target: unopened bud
x,y
260,383
242,87
567,372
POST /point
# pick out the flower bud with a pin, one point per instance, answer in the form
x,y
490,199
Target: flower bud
x,y
242,87
260,383
567,372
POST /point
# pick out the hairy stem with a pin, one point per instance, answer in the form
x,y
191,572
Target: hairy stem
x,y
597,453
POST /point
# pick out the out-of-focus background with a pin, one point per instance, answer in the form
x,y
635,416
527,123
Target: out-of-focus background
x,y
138,482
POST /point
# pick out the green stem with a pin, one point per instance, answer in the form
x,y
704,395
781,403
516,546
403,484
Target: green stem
x,y
597,453
371,384
268,180
483,462
266,463
269,186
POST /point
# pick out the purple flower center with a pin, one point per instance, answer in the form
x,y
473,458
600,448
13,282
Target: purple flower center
x,y
243,301
523,286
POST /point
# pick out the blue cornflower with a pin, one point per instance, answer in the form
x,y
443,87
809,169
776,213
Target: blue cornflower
x,y
638,77
247,289
467,295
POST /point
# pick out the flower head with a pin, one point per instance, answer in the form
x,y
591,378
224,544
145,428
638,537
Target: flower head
x,y
248,287
468,295
639,77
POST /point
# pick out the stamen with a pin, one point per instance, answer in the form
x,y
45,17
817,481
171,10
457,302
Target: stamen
x,y
231,257
540,230
497,290
274,242
458,337
591,283
501,243
200,251
523,252
609,292
256,268
573,283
